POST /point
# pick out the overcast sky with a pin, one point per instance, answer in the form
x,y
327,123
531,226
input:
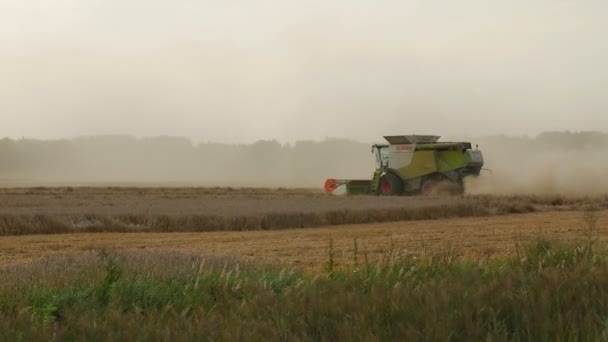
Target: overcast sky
x,y
227,70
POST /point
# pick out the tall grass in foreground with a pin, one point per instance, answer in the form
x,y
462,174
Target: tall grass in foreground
x,y
549,292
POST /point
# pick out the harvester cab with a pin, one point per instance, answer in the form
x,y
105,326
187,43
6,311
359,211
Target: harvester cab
x,y
382,155
415,164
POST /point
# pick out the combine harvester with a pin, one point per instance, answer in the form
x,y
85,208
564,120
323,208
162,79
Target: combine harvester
x,y
413,165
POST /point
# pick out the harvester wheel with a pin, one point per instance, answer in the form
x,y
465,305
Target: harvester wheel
x,y
390,184
429,187
441,187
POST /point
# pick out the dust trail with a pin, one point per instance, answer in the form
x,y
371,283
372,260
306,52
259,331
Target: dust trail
x,y
565,163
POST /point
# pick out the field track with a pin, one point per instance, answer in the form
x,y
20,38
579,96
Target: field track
x,y
476,238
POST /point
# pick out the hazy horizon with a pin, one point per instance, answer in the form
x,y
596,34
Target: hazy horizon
x,y
552,163
243,71
379,139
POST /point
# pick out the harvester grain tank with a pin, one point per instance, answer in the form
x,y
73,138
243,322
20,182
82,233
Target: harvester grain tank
x,y
415,164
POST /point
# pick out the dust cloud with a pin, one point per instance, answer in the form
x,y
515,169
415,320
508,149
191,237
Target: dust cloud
x,y
552,163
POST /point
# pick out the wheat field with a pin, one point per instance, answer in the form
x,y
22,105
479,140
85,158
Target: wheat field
x,y
285,264
79,210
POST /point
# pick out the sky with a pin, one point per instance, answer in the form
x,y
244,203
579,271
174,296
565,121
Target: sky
x,y
241,71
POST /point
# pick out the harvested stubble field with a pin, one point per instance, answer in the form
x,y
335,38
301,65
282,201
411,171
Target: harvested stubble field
x,y
469,238
77,210
258,224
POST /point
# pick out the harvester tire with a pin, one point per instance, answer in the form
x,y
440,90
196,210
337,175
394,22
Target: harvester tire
x,y
390,185
429,187
438,186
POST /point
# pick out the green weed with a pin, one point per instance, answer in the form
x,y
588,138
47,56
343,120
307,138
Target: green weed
x,y
551,291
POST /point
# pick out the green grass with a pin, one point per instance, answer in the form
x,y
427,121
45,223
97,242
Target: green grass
x,y
549,292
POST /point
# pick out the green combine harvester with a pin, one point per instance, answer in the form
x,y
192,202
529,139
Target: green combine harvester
x,y
414,165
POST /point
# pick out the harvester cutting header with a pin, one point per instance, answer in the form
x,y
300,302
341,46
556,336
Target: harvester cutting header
x,y
415,164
